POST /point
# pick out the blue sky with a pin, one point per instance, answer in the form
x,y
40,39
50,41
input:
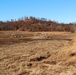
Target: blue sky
x,y
63,11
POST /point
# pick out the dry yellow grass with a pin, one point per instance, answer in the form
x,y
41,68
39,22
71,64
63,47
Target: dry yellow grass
x,y
37,53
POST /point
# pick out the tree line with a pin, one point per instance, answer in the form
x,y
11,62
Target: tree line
x,y
35,24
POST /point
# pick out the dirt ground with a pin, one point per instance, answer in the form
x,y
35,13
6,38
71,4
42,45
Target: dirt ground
x,y
37,53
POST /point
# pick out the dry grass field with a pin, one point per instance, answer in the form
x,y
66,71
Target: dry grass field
x,y
37,53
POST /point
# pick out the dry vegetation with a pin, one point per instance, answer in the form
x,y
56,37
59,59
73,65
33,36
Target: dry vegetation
x,y
37,53
32,46
33,24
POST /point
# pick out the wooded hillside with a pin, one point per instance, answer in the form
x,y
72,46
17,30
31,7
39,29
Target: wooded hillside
x,y
34,24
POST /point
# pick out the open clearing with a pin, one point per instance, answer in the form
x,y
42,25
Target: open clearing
x,y
37,53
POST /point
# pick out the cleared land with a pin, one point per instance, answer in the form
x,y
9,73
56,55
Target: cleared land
x,y
37,53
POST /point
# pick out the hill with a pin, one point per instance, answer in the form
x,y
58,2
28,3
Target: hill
x,y
35,25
